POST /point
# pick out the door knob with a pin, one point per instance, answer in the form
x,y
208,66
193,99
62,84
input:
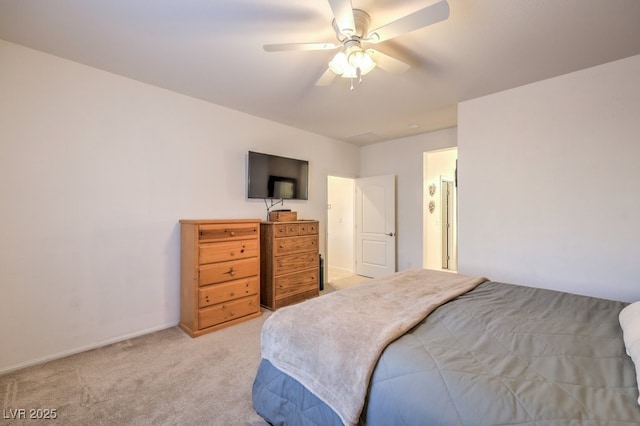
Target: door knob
x,y
390,234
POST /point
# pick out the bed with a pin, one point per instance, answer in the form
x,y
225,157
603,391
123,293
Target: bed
x,y
486,353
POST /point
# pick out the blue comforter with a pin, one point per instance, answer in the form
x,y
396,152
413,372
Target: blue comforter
x,y
499,354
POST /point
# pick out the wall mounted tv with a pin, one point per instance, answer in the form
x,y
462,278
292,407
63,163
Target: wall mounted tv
x,y
271,176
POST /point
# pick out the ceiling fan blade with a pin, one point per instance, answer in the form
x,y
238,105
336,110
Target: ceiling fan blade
x,y
388,63
429,15
326,78
343,14
287,47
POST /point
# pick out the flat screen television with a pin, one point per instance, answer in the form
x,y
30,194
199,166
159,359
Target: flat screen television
x,y
272,176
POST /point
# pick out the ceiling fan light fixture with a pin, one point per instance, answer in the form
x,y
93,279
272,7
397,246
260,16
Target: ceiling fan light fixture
x,y
339,63
367,63
351,27
347,64
359,58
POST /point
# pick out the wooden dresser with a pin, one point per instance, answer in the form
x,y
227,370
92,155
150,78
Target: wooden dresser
x,y
220,273
289,262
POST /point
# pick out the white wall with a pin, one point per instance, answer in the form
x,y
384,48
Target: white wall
x,y
549,183
340,223
95,172
404,158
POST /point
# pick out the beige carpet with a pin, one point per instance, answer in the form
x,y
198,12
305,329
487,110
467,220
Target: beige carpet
x,y
163,378
349,281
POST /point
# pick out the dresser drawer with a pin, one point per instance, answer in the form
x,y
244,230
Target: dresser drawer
x,y
297,282
292,245
228,250
223,292
308,228
296,298
287,230
227,271
218,314
295,262
217,232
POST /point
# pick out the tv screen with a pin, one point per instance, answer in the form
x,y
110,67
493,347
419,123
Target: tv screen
x,y
271,176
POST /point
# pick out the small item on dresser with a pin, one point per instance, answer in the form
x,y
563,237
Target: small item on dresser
x,y
283,216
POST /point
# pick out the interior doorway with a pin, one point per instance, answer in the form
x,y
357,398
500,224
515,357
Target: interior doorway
x,y
440,248
361,234
340,250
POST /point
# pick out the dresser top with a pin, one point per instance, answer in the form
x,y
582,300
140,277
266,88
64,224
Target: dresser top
x,y
289,221
214,221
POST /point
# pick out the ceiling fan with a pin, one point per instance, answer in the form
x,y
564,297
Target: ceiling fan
x,y
352,31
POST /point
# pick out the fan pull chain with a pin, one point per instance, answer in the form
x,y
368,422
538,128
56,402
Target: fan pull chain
x,y
359,75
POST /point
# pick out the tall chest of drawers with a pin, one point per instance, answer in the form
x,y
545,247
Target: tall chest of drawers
x,y
289,262
220,273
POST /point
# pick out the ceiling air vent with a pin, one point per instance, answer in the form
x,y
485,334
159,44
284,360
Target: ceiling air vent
x,y
364,138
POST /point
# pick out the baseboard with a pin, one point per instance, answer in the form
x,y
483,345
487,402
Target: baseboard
x,y
97,345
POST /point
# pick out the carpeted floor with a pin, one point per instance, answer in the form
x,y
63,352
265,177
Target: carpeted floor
x,y
349,281
163,378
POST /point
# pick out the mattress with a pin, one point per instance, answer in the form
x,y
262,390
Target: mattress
x,y
499,354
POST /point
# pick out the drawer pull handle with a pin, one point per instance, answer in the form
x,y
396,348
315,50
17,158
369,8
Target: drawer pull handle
x,y
231,272
232,233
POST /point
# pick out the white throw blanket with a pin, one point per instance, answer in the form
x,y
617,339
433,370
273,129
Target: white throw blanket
x,y
332,343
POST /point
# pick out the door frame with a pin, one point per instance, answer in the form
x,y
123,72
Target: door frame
x,y
448,206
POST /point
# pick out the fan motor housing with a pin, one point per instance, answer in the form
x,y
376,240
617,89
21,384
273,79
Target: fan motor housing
x,y
361,19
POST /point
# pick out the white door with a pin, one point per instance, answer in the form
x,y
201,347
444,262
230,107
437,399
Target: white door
x,y
376,226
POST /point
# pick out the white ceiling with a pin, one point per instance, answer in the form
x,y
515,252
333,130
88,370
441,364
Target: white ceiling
x,y
212,50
